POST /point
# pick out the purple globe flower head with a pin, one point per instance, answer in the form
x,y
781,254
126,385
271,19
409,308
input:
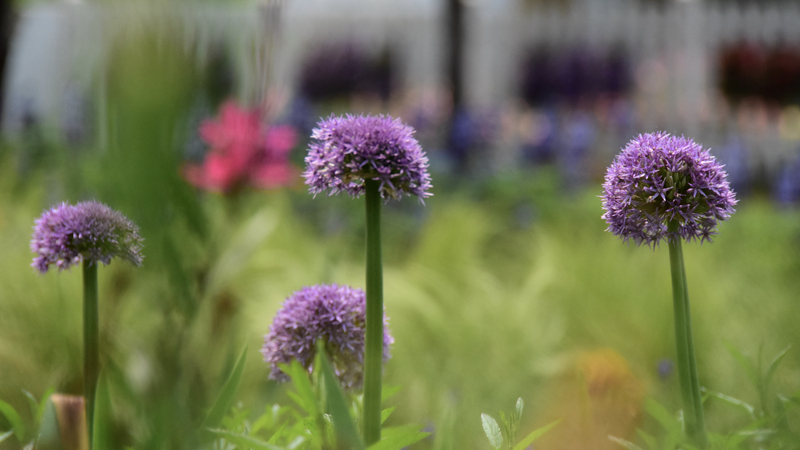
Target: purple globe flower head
x,y
68,234
337,315
660,179
352,149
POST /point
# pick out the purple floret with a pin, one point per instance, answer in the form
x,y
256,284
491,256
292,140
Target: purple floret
x,y
91,231
659,178
350,149
337,315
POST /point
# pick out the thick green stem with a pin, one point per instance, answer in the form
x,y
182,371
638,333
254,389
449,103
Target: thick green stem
x,y
687,365
373,358
91,355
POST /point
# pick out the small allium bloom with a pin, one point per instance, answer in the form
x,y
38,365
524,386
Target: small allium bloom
x,y
337,315
659,178
352,149
67,234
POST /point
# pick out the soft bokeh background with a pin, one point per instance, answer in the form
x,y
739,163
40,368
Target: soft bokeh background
x,y
503,285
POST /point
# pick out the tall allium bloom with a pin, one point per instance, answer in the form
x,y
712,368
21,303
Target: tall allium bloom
x,y
337,315
665,187
352,149
379,157
660,179
90,232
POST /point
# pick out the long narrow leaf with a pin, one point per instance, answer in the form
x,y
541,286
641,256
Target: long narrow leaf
x,y
396,438
664,417
227,395
304,396
773,366
5,435
648,439
14,419
386,413
534,435
243,441
748,367
492,430
49,437
627,444
733,401
342,421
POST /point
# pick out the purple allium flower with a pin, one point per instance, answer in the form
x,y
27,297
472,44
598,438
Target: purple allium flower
x,y
351,149
333,313
659,178
67,234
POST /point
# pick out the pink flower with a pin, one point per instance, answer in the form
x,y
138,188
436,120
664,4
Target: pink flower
x,y
243,153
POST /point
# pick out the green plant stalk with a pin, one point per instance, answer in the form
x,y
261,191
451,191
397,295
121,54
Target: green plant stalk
x,y
91,355
687,364
373,354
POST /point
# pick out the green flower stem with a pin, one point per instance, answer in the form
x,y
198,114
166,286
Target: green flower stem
x,y
91,356
373,357
687,365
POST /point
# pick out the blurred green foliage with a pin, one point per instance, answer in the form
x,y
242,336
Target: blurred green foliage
x,y
494,289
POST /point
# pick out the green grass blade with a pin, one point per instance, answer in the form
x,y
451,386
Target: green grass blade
x,y
345,426
660,413
492,430
627,444
773,366
243,441
386,413
744,363
535,434
14,419
732,401
49,432
648,439
227,394
396,438
304,396
6,435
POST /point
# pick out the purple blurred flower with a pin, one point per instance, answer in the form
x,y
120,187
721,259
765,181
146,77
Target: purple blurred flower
x,y
67,234
659,178
351,149
333,313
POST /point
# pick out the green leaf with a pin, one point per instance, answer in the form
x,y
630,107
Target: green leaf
x,y
520,405
14,419
6,435
33,404
304,397
492,430
664,417
748,367
648,439
386,413
227,394
535,434
773,366
395,438
627,444
389,391
43,403
343,422
49,431
733,401
242,440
